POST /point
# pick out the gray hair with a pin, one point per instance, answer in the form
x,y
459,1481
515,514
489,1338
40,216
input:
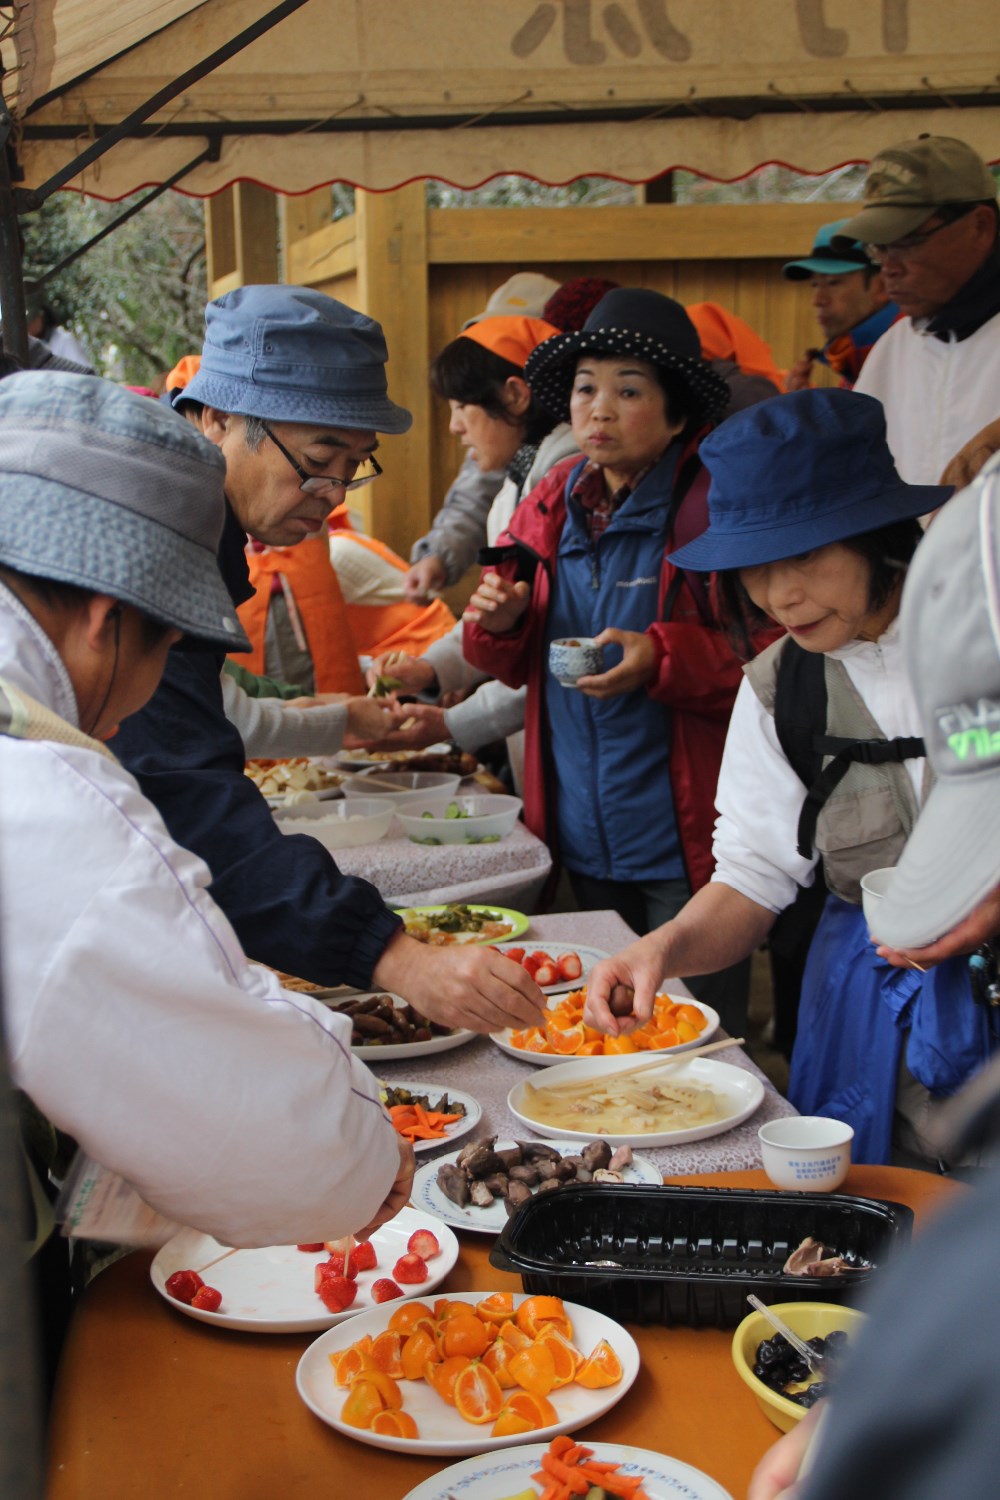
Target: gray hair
x,y
254,432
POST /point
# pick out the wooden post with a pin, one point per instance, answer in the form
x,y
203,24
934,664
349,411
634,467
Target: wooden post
x,y
392,287
241,238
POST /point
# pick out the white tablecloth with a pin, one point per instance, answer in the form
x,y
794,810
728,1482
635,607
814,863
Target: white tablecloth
x,y
481,1069
510,873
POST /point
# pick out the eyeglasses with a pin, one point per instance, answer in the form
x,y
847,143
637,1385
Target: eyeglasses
x,y
321,484
910,243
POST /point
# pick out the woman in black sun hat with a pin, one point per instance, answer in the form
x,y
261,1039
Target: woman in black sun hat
x,y
620,776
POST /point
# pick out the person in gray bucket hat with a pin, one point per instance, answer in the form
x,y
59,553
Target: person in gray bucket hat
x,y
124,984
301,390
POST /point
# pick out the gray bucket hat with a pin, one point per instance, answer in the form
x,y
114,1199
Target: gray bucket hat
x,y
289,354
113,492
950,626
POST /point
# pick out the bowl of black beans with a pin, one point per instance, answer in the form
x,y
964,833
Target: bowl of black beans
x,y
780,1379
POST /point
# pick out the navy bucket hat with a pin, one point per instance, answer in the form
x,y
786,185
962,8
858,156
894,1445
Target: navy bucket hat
x,y
289,354
629,321
799,472
114,493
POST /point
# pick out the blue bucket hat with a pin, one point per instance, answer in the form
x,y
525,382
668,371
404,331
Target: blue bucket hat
x,y
799,472
288,354
825,260
112,492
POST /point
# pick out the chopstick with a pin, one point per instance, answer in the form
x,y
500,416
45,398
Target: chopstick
x,y
649,1067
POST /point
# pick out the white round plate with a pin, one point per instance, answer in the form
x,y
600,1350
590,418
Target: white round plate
x,y
271,1290
442,1430
427,1196
398,1051
494,1475
544,1060
741,1092
469,1121
366,760
587,956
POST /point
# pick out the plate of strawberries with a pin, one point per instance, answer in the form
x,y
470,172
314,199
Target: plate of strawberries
x,y
554,969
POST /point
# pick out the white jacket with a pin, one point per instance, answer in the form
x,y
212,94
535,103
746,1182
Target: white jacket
x,y
136,1023
936,394
759,797
270,727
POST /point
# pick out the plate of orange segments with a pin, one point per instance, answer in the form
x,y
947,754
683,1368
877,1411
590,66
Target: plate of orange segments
x,y
542,1367
676,1026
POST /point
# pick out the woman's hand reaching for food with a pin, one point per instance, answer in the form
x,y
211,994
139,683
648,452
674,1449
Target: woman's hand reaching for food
x,y
471,986
412,673
422,724
636,669
424,579
370,720
498,603
621,990
398,1195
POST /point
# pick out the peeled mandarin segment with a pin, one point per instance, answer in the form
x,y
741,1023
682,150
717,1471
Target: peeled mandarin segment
x,y
692,1015
601,1367
668,1038
394,1424
538,1409
406,1317
352,1362
512,1335
387,1388
497,1359
615,1045
568,1042
686,1032
510,1424
537,1309
418,1350
387,1352
478,1397
362,1403
497,1308
443,1376
565,1353
534,1369
467,1335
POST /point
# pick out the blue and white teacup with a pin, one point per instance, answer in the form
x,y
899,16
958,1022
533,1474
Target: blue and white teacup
x,y
574,658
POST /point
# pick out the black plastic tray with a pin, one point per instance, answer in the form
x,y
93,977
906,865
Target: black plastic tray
x,y
691,1255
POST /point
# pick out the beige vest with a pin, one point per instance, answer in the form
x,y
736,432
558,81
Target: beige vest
x,y
869,815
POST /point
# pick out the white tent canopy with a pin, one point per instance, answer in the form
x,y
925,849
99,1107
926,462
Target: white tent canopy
x,y
378,92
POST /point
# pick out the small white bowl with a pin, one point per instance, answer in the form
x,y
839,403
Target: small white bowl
x,y
406,789
339,825
807,1153
486,815
874,886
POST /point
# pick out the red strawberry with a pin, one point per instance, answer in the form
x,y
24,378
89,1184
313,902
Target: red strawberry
x,y
183,1285
546,973
311,1249
424,1244
384,1290
517,954
363,1258
337,1292
340,1265
410,1269
207,1298
569,966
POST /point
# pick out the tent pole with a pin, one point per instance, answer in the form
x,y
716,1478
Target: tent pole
x,y
15,318
30,198
211,153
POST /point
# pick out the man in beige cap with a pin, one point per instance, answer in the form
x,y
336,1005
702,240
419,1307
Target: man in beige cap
x,y
930,221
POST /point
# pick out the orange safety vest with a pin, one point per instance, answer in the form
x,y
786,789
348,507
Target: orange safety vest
x,y
400,626
315,589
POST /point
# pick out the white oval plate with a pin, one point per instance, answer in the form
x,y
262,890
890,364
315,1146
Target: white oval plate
x,y
426,1194
271,1290
469,1121
397,1051
543,1060
587,956
494,1475
365,760
442,1430
741,1091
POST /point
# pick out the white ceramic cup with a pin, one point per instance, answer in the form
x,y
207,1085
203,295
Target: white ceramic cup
x,y
807,1153
874,886
574,658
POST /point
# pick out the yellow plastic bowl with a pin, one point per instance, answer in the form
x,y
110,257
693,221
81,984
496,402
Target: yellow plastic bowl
x,y
809,1320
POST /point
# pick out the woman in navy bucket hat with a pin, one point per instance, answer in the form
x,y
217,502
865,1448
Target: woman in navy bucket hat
x,y
811,526
619,776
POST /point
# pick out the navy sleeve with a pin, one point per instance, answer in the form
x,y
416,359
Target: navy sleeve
x,y
290,905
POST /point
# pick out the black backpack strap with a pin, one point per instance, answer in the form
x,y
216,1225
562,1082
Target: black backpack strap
x,y
800,709
512,552
845,754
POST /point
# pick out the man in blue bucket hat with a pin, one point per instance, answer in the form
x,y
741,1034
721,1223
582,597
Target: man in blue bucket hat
x,y
293,391
851,305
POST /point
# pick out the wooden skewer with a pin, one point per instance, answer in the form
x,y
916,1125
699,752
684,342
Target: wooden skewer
x,y
209,1264
645,1067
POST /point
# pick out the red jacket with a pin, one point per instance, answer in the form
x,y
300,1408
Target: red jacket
x,y
697,676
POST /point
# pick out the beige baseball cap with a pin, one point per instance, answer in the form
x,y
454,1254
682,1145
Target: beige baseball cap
x,y
906,183
522,295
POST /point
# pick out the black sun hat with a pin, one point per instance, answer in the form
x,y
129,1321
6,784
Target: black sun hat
x,y
629,321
